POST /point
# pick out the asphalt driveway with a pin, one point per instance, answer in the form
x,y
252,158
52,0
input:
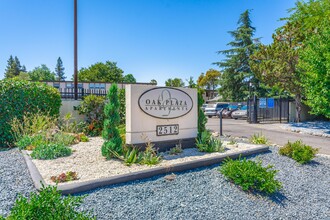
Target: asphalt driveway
x,y
276,134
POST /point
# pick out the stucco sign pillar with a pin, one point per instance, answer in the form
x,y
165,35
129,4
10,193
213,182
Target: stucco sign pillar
x,y
165,115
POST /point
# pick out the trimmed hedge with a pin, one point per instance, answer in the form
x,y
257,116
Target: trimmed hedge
x,y
18,97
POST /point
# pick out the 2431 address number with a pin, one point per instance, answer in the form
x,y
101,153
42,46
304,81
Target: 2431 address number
x,y
162,130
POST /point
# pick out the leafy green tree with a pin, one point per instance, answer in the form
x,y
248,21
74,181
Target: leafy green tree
x,y
23,76
101,72
59,70
13,67
153,81
129,78
176,82
236,71
42,73
191,82
112,141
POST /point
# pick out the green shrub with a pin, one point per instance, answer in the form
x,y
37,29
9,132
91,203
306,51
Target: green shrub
x,y
130,156
47,204
84,138
65,177
93,108
176,150
298,151
20,97
110,133
207,143
67,124
258,139
50,151
32,124
63,139
202,120
250,175
149,156
31,141
122,106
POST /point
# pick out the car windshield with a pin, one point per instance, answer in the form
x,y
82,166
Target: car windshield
x,y
211,105
231,107
244,107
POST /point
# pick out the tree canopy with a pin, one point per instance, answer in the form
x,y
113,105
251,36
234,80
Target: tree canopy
x,y
42,73
13,67
176,82
129,78
101,72
236,71
59,70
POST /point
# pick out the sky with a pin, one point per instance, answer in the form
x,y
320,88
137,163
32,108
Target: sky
x,y
151,39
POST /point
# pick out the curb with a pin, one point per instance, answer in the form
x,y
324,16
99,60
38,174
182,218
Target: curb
x,y
74,188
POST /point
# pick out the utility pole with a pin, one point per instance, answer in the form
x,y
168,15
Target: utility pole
x,y
75,71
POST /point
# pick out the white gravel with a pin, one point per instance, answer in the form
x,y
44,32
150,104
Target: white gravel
x,y
317,128
88,162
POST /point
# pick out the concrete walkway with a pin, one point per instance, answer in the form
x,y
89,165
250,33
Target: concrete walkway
x,y
274,132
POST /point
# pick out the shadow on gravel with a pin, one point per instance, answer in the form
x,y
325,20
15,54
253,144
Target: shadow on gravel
x,y
312,163
279,198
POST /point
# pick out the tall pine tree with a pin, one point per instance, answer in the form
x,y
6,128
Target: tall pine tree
x,y
59,70
13,67
236,70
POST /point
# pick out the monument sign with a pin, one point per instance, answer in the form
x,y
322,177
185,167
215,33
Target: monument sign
x,y
165,115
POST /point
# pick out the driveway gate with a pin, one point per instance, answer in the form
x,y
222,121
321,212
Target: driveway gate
x,y
268,110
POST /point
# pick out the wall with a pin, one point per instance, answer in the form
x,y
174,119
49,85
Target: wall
x,y
68,106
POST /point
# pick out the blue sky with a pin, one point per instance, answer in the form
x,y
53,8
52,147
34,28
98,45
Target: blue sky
x,y
151,39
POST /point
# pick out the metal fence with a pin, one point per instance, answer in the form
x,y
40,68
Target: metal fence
x,y
268,110
68,93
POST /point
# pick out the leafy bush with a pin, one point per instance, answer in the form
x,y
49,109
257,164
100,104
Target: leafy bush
x,y
258,139
130,155
207,143
65,177
298,151
83,138
32,124
20,97
122,106
202,120
110,133
31,142
176,150
250,175
93,108
63,138
149,156
47,204
50,151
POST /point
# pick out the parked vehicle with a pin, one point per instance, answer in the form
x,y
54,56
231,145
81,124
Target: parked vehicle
x,y
214,109
241,113
226,113
203,107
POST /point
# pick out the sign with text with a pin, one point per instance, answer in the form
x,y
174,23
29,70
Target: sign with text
x,y
163,114
165,103
262,103
270,102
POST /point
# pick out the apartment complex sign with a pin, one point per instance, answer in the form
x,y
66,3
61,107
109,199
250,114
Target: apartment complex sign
x,y
161,113
166,103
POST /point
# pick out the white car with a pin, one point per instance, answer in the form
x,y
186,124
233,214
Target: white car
x,y
241,113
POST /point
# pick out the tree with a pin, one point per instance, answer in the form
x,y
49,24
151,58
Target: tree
x,y
101,72
42,73
315,61
23,76
153,81
13,67
236,69
191,82
112,140
210,80
129,78
59,70
176,82
202,120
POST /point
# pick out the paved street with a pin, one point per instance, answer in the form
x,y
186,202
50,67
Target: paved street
x,y
276,135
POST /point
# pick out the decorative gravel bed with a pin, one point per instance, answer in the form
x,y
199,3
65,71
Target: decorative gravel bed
x,y
196,194
205,194
14,179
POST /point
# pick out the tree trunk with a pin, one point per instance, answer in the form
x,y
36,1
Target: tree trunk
x,y
298,107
